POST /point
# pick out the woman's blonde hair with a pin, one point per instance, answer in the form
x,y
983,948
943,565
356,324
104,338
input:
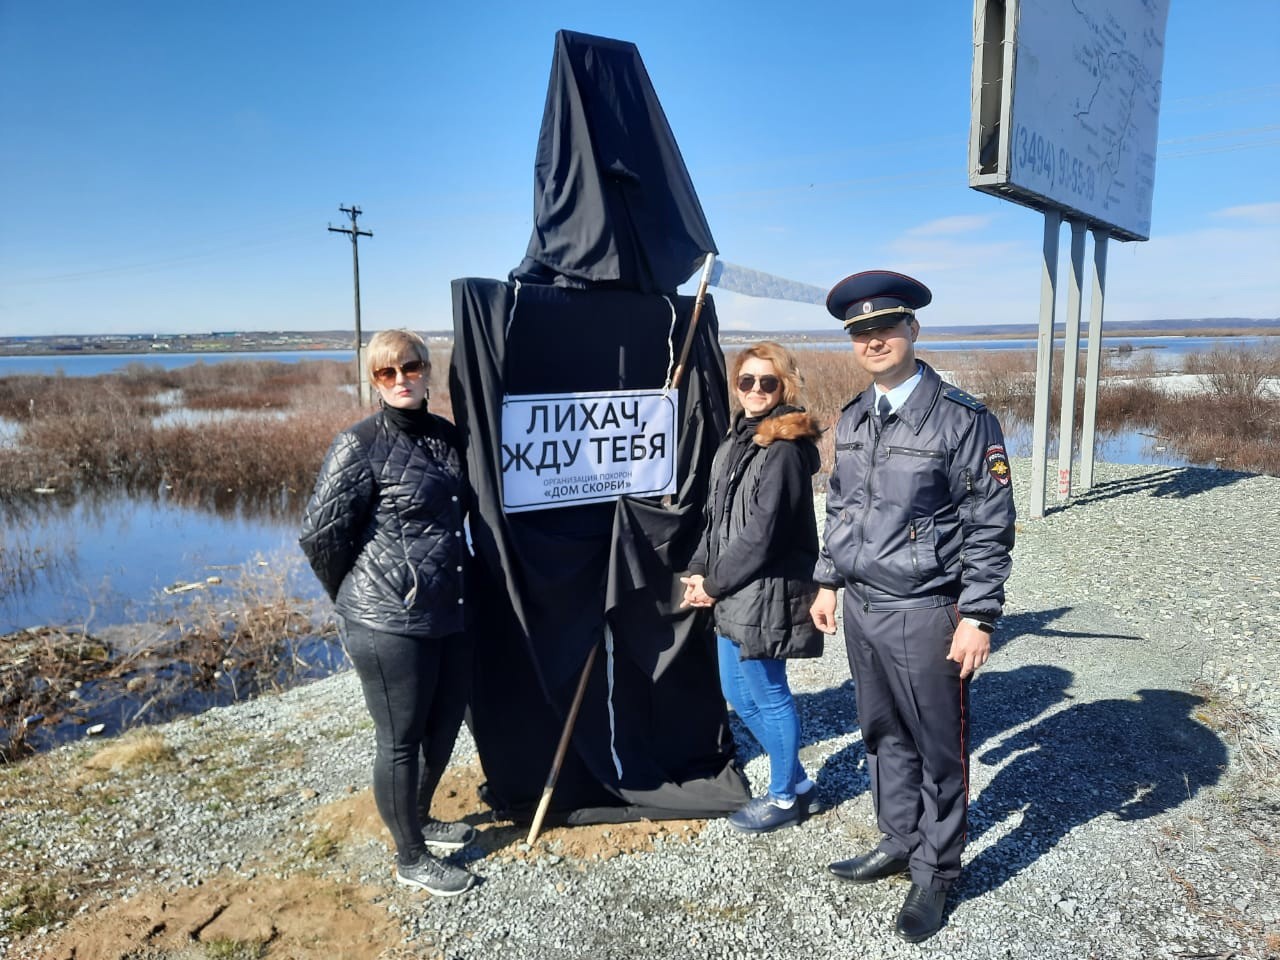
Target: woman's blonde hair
x,y
389,347
784,363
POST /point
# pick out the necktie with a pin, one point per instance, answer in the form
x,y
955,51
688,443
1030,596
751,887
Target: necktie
x,y
884,409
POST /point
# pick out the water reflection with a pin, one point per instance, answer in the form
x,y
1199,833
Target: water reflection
x,y
10,431
1121,446
119,610
115,554
185,417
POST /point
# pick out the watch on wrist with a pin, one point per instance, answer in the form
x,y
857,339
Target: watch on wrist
x,y
986,626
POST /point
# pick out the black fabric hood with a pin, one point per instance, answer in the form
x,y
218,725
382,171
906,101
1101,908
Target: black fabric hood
x,y
613,202
592,308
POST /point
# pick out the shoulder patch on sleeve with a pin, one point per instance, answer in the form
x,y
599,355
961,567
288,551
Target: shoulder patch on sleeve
x,y
957,395
997,464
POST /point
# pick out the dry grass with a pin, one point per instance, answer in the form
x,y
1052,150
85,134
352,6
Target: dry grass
x,y
1252,741
39,670
830,377
1235,423
138,750
277,419
271,424
29,906
226,642
247,636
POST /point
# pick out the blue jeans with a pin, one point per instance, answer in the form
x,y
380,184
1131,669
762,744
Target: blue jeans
x,y
758,692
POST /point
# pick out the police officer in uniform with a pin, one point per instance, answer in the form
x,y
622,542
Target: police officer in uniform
x,y
919,529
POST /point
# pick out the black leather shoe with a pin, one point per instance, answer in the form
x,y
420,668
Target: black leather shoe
x,y
869,867
921,914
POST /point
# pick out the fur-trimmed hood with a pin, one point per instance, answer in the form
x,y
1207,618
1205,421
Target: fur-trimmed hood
x,y
787,423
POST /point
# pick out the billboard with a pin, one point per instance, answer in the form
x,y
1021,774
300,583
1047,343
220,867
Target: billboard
x,y
1066,107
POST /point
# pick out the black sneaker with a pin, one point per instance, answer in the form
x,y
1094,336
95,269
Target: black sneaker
x,y
809,803
446,836
763,814
435,876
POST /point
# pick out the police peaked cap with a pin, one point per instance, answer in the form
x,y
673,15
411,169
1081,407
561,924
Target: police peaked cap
x,y
875,299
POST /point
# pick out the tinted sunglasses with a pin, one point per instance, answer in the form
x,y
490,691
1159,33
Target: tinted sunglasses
x,y
768,383
387,375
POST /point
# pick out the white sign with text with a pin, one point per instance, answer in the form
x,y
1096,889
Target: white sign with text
x,y
567,449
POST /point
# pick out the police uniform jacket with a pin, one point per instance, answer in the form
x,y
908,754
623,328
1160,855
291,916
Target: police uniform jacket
x,y
920,512
760,539
383,530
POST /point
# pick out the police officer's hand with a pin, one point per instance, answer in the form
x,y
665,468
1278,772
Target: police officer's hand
x,y
970,647
823,611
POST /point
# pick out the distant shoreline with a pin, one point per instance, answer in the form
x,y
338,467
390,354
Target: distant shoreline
x,y
945,333
276,341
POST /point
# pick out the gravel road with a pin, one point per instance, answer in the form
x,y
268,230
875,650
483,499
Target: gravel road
x,y
1125,779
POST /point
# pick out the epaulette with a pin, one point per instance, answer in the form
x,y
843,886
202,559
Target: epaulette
x,y
964,399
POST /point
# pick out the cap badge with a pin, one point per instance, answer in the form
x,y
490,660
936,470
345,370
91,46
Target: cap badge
x,y
866,306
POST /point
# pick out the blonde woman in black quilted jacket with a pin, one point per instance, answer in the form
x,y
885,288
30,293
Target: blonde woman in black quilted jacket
x,y
384,533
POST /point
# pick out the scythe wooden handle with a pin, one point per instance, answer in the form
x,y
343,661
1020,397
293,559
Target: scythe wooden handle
x,y
571,718
562,748
693,320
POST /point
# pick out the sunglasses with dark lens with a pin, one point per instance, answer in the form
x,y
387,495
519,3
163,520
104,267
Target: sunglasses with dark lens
x,y
387,375
768,383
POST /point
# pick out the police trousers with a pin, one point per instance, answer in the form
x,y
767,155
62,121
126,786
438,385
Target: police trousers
x,y
913,710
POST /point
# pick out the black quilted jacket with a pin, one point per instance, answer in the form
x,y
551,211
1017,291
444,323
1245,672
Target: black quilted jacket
x,y
384,528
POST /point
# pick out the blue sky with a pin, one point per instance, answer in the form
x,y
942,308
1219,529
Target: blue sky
x,y
172,167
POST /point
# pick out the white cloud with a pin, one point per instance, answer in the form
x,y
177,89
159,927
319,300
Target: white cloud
x,y
1256,212
1211,272
947,226
737,312
990,271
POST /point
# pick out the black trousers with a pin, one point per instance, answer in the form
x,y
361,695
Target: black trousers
x,y
913,709
416,689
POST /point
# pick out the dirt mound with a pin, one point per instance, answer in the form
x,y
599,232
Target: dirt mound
x,y
228,916
310,917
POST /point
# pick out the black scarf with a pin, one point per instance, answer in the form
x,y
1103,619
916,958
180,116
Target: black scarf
x,y
744,432
416,423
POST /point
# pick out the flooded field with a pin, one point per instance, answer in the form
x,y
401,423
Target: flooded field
x,y
148,514
118,610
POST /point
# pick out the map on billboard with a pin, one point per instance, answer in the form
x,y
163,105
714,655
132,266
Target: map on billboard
x,y
1066,107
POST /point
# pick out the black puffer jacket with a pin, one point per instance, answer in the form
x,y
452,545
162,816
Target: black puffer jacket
x,y
384,529
760,541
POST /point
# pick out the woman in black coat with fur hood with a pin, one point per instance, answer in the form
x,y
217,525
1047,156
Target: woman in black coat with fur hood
x,y
754,566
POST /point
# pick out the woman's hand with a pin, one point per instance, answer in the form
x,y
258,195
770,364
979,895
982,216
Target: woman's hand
x,y
694,595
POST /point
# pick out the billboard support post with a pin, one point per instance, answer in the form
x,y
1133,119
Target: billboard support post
x,y
1044,362
1093,364
1071,360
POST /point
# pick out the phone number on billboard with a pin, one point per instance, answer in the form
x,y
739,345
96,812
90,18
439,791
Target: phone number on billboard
x,y
1036,154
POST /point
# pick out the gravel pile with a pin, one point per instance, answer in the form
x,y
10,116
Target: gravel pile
x,y
1126,800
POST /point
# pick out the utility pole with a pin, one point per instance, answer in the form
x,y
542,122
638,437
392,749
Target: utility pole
x,y
362,381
